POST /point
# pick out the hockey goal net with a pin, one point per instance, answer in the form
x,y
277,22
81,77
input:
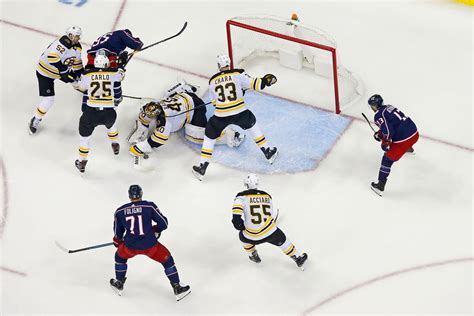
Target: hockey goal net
x,y
296,46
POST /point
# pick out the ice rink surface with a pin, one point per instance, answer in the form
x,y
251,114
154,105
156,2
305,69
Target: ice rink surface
x,y
408,252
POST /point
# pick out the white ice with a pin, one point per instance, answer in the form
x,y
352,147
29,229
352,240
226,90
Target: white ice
x,y
418,55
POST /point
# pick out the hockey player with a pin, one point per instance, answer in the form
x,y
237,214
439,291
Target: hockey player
x,y
135,234
226,89
61,60
180,107
397,134
114,44
103,93
258,225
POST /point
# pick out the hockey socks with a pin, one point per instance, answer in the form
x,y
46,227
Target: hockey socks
x,y
120,267
45,104
171,271
84,145
385,168
289,249
207,149
258,136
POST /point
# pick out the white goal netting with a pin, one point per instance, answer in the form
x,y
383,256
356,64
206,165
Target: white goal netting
x,y
251,37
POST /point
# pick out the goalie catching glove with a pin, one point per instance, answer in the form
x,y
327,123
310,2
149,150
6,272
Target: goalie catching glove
x,y
269,80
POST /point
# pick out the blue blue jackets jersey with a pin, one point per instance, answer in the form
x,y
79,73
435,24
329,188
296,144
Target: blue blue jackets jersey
x,y
394,125
115,42
135,220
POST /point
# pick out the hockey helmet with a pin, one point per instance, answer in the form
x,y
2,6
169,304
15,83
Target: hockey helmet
x,y
152,109
74,33
251,181
101,61
135,192
375,101
223,61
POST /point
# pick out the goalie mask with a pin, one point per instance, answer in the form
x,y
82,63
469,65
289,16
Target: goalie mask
x,y
251,181
152,109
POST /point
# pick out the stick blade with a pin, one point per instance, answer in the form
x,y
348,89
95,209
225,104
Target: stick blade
x,y
61,247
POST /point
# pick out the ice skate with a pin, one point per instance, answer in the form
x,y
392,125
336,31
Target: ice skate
x,y
181,290
34,124
117,285
411,150
300,261
116,148
200,171
378,187
81,165
270,153
255,257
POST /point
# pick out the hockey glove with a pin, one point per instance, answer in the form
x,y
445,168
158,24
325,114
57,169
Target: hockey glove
x,y
238,222
269,80
117,101
386,145
122,59
156,231
117,242
378,136
67,77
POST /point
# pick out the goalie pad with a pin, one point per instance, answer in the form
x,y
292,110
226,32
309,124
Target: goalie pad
x,y
229,136
180,87
194,134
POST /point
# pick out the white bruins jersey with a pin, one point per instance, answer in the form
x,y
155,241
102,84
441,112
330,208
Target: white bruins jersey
x,y
173,105
60,51
226,91
102,87
256,207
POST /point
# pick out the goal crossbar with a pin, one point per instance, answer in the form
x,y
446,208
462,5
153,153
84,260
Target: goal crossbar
x,y
332,50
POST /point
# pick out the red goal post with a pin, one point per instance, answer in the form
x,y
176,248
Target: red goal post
x,y
272,41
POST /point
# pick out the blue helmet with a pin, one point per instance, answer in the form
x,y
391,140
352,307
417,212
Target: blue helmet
x,y
135,192
375,100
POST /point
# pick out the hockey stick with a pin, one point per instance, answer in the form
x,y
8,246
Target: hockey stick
x,y
368,122
199,106
83,249
151,45
132,97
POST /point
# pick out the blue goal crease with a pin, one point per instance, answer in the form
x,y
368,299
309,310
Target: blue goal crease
x,y
303,135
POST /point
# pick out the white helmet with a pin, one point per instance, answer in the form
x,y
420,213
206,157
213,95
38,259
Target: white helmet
x,y
74,30
223,61
101,61
251,181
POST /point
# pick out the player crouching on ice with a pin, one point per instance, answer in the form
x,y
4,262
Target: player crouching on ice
x,y
258,225
397,133
179,107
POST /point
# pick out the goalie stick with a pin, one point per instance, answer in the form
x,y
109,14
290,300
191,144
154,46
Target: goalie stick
x,y
151,45
82,249
368,122
196,107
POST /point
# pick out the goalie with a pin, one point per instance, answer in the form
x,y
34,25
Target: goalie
x,y
180,107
